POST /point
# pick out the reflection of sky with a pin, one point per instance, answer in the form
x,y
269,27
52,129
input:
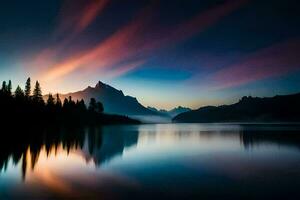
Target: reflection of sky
x,y
165,155
10,177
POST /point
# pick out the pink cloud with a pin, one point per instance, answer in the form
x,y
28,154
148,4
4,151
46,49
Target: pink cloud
x,y
75,17
89,14
269,62
120,47
123,69
131,41
195,25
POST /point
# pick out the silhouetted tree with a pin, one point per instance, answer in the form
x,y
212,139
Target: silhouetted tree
x,y
9,87
66,103
23,109
4,87
37,93
28,88
100,107
19,94
71,102
50,100
82,106
58,101
93,105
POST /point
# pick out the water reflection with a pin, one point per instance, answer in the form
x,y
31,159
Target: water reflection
x,y
140,159
90,143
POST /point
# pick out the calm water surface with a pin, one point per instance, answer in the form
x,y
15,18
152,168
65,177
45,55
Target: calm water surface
x,y
163,161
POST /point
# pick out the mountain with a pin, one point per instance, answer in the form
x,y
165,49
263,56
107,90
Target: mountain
x,y
284,108
114,101
173,112
178,110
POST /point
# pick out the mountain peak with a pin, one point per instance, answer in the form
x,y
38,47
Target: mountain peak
x,y
103,86
113,100
100,85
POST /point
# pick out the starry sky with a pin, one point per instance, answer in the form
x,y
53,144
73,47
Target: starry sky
x,y
166,53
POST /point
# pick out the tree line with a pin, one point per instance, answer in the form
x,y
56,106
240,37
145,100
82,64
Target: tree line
x,y
37,98
29,105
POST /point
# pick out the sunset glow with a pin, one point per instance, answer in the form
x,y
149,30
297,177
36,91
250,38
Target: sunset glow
x,y
150,99
207,48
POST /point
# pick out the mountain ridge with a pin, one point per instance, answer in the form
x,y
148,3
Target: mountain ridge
x,y
280,108
172,112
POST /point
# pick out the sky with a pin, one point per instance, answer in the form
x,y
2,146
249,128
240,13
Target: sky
x,y
166,53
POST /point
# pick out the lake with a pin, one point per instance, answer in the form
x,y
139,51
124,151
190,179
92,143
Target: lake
x,y
153,161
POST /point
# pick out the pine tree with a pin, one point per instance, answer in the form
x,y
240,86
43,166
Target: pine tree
x,y
72,103
82,105
92,105
100,107
28,88
50,100
9,87
66,103
58,101
4,87
37,93
19,94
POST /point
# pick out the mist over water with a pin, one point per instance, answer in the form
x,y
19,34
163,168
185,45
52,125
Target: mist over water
x,y
152,118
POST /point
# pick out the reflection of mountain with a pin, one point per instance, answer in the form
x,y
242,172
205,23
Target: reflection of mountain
x,y
114,141
249,109
114,100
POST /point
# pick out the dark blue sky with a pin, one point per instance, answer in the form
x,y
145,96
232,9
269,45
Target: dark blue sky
x,y
166,53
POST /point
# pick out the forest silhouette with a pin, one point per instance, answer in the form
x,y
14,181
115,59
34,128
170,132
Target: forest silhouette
x,y
28,108
29,123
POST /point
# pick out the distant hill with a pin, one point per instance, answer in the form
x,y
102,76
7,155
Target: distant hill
x,y
172,113
114,101
178,110
285,108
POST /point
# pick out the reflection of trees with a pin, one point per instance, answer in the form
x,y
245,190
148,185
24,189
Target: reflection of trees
x,y
104,143
25,146
280,137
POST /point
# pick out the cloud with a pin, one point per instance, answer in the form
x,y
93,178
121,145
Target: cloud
x,y
276,60
89,14
76,17
132,42
123,69
196,24
73,19
118,48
